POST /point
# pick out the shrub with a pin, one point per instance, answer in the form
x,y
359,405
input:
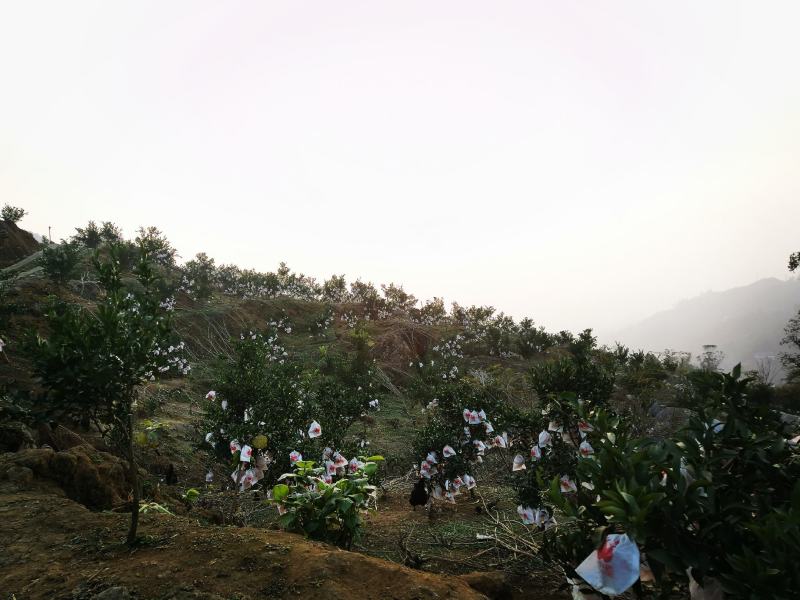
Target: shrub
x,y
252,284
366,295
791,359
710,358
432,312
463,413
12,214
199,275
110,233
334,289
127,254
90,236
398,300
60,261
264,393
91,365
579,372
501,336
156,245
324,509
794,261
720,499
531,340
323,322
787,397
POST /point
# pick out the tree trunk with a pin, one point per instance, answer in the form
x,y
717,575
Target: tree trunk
x,y
134,477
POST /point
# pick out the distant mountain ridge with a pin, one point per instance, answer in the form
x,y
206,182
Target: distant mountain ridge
x,y
747,323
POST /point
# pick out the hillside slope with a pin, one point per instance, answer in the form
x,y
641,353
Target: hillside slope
x,y
746,323
15,243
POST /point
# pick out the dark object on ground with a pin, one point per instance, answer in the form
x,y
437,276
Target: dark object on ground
x,y
493,585
171,478
15,436
419,495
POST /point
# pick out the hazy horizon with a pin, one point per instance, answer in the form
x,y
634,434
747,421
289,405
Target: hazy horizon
x,y
585,165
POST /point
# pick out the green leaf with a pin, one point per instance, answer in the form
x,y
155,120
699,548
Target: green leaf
x,y
666,558
279,492
287,521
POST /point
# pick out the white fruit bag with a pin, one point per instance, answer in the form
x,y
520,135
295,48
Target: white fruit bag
x,y
614,567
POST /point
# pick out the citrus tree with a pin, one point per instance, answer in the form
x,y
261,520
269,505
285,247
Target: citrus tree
x,y
718,503
282,408
92,362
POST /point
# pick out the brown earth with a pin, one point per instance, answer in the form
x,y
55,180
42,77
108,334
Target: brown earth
x,y
55,548
82,473
52,546
15,243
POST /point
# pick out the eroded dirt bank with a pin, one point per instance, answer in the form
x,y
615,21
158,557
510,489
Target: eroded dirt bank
x,y
53,547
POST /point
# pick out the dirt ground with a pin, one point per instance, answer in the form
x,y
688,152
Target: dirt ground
x,y
55,548
52,546
445,539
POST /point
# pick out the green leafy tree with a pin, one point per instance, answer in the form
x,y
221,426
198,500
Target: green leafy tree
x,y
267,399
531,340
720,499
432,312
156,245
367,295
579,372
791,359
91,364
12,214
90,236
397,299
710,358
109,232
794,261
60,261
200,275
449,398
334,289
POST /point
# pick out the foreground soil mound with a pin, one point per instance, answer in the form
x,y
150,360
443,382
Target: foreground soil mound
x,y
93,478
52,547
15,243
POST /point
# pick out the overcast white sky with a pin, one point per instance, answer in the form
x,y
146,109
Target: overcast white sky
x,y
582,163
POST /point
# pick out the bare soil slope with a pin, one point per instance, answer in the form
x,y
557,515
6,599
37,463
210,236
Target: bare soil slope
x,y
52,547
15,243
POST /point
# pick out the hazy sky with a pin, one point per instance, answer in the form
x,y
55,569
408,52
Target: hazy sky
x,y
583,163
